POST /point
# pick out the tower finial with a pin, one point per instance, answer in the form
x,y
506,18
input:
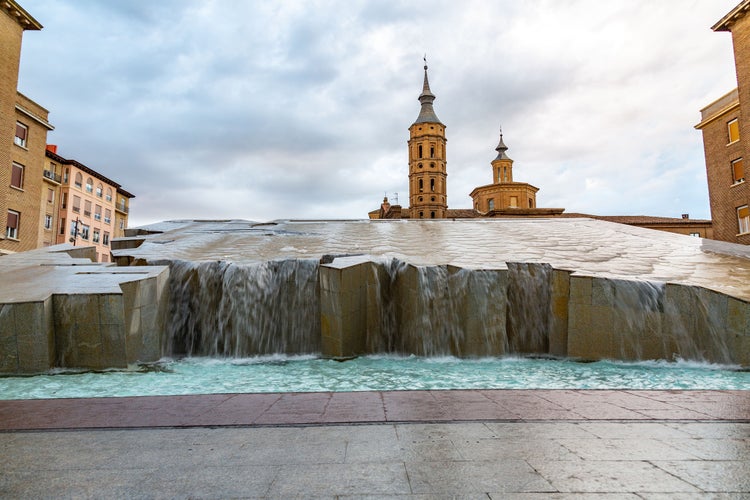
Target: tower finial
x,y
425,61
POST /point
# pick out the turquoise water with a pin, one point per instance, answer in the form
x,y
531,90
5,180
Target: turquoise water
x,y
371,373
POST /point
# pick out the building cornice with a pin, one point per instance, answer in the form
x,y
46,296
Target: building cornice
x,y
64,161
41,121
726,22
18,14
730,101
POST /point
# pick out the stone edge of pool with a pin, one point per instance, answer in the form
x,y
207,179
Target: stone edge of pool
x,y
376,407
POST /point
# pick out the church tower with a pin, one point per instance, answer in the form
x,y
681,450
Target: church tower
x,y
428,198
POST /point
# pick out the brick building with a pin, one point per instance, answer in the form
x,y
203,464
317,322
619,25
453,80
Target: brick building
x,y
726,138
92,209
23,136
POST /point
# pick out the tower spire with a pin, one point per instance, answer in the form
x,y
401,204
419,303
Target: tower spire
x,y
501,148
427,112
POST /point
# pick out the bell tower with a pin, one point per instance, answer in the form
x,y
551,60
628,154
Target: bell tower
x,y
428,196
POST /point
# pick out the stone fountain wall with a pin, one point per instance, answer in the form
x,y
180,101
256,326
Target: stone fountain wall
x,y
371,307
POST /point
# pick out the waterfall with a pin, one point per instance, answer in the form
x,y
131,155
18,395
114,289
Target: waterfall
x,y
226,309
529,310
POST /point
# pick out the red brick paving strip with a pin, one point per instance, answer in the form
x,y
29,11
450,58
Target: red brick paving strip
x,y
372,407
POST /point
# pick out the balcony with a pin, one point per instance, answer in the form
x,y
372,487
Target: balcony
x,y
51,176
121,208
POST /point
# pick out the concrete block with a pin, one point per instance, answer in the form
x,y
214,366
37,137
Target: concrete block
x,y
111,310
602,292
8,340
738,317
113,346
33,337
580,289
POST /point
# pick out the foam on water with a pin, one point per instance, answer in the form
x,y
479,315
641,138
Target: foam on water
x,y
281,373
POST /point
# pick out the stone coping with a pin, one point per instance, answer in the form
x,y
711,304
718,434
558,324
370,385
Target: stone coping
x,y
585,246
273,409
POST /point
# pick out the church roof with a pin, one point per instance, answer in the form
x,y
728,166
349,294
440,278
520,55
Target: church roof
x,y
427,113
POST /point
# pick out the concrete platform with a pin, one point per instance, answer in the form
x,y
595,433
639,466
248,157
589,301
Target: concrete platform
x,y
431,444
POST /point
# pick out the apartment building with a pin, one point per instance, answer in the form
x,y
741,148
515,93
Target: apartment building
x,y
726,138
92,208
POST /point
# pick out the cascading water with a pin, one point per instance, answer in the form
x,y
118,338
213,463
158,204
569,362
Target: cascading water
x,y
529,307
225,309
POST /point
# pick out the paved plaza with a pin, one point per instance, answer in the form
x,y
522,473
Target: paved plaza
x,y
411,444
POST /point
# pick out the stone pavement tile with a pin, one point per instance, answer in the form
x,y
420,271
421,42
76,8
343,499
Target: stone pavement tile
x,y
632,430
237,409
607,411
513,449
289,452
713,449
609,476
713,476
694,496
540,430
467,496
564,496
402,450
416,432
416,406
210,481
676,414
458,478
625,449
734,430
292,408
305,481
355,407
80,483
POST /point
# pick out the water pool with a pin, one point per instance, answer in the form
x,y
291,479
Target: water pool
x,y
372,373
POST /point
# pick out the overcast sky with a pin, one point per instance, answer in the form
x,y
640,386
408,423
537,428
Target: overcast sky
x,y
279,109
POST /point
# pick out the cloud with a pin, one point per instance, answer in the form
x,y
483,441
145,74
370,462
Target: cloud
x,y
300,109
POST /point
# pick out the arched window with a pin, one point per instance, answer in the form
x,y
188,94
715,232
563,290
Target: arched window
x,y
109,194
89,185
419,148
99,190
421,185
432,215
432,184
79,179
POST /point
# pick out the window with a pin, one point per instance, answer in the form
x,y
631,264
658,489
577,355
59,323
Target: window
x,y
47,221
432,184
432,165
491,204
95,237
122,223
109,194
421,215
421,185
105,238
514,202
16,175
432,215
11,227
87,208
50,195
74,228
419,148
738,171
505,174
432,151
105,257
733,128
531,203
743,219
22,132
64,202
76,204
62,226
107,215
66,174
89,185
99,190
420,165
84,232
695,235
79,180
98,212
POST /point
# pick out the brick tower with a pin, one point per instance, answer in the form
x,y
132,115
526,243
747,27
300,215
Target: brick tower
x,y
428,198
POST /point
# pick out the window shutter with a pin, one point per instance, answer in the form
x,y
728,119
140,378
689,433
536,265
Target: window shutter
x,y
13,220
16,176
20,131
743,212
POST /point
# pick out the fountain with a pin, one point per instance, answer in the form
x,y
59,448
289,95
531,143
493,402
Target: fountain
x,y
578,288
